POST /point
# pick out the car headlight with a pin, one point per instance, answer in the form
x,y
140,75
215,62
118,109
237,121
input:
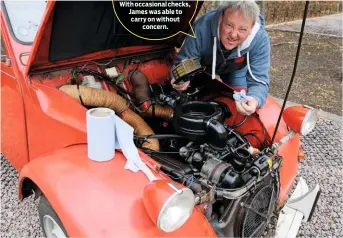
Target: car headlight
x,y
168,204
309,122
300,119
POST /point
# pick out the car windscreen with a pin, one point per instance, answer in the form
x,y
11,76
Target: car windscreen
x,y
24,18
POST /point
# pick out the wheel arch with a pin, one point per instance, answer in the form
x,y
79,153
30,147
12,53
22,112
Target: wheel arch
x,y
27,187
36,179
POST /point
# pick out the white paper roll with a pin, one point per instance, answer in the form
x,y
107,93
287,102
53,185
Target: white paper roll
x,y
101,134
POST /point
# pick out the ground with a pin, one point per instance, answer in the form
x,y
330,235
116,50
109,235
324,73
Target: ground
x,y
318,80
327,25
323,166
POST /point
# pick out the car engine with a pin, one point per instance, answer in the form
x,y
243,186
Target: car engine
x,y
213,159
187,135
199,146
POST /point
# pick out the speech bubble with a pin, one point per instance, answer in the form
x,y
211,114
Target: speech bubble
x,y
156,20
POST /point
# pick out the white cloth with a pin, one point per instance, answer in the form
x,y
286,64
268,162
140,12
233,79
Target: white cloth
x,y
124,141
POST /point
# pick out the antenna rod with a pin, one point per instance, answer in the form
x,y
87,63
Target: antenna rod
x,y
294,70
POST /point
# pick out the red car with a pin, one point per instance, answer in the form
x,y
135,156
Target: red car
x,y
219,173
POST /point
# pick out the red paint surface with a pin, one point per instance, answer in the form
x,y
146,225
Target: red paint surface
x,y
294,116
101,199
13,127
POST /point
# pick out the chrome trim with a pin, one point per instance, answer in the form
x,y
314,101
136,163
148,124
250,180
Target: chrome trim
x,y
173,186
311,113
171,198
307,106
8,74
284,139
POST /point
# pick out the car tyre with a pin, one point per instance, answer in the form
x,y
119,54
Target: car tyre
x,y
50,222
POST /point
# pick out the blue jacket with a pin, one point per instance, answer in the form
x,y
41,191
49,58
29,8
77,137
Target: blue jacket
x,y
253,53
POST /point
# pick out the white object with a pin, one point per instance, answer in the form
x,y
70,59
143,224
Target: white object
x,y
107,132
176,210
124,141
309,122
100,134
112,72
253,76
296,210
214,58
89,81
51,228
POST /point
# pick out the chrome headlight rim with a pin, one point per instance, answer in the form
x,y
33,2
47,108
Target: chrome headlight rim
x,y
166,205
311,114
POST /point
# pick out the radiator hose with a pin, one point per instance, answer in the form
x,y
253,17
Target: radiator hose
x,y
141,91
102,98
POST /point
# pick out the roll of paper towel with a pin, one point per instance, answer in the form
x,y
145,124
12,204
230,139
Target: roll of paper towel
x,y
100,134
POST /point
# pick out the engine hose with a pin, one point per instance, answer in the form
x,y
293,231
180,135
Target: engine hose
x,y
164,112
101,98
234,193
237,193
141,91
160,136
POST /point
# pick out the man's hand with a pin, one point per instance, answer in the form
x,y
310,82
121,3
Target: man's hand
x,y
247,108
180,87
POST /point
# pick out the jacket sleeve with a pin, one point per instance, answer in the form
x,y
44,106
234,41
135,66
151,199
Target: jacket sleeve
x,y
259,59
191,47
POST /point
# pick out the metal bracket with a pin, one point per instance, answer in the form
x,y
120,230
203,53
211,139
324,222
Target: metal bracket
x,y
305,203
299,208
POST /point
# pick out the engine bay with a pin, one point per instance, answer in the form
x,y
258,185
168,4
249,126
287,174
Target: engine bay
x,y
196,136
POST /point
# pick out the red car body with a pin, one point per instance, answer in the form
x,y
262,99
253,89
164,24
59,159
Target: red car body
x,y
44,137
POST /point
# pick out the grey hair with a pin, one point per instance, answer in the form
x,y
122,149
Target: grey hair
x,y
249,8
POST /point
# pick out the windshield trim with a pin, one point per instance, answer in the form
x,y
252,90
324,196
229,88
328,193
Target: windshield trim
x,y
8,22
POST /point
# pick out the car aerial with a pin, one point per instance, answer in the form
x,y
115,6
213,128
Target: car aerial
x,y
218,173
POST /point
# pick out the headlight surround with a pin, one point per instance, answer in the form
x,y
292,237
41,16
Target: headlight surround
x,y
309,122
300,119
168,204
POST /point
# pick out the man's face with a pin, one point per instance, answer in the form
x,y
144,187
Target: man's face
x,y
234,28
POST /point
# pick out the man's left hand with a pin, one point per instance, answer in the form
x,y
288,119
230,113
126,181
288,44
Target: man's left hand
x,y
247,108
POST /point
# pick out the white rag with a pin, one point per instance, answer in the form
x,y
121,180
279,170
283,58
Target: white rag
x,y
124,141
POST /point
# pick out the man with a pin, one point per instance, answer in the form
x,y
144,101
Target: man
x,y
242,54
